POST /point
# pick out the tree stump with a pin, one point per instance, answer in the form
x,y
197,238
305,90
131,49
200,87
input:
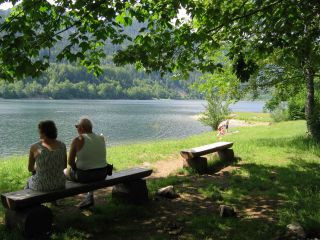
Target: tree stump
x,y
200,164
226,155
31,222
131,192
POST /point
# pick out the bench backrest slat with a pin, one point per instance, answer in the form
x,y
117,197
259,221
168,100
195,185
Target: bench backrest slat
x,y
26,198
206,149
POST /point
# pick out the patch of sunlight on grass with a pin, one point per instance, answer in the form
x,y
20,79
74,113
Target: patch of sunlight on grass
x,y
255,117
278,162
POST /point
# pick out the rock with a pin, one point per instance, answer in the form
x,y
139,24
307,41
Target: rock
x,y
227,211
295,231
167,192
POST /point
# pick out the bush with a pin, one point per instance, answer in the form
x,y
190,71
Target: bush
x,y
280,113
296,110
216,111
296,106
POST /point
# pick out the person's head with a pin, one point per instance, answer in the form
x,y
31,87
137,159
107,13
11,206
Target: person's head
x,y
47,130
84,126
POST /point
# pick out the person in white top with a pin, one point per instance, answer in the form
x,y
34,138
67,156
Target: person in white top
x,y
87,158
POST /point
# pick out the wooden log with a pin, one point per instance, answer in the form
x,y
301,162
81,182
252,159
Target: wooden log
x,y
131,192
200,164
226,155
206,149
31,222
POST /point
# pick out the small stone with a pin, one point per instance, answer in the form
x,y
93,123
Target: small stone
x,y
227,211
167,192
295,231
173,228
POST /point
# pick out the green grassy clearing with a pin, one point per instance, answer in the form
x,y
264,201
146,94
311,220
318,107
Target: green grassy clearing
x,y
279,169
253,117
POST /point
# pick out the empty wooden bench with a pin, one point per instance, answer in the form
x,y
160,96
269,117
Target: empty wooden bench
x,y
25,212
193,157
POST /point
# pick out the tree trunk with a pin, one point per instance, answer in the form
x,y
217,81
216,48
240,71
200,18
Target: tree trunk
x,y
310,108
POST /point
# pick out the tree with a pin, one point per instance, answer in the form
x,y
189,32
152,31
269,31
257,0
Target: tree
x,y
286,30
216,111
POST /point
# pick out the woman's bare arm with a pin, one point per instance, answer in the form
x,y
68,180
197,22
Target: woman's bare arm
x,y
32,160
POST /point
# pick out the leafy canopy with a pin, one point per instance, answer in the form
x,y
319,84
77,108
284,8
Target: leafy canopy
x,y
252,28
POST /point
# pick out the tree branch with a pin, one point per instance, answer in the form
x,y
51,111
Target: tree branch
x,y
2,26
245,15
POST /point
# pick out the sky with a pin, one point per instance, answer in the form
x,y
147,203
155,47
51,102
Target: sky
x,y
182,12
5,6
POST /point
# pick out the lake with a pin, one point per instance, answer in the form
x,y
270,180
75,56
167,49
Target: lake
x,y
121,121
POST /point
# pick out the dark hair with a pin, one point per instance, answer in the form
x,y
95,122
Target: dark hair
x,y
48,128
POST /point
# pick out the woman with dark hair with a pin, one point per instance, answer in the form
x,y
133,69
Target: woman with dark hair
x,y
47,159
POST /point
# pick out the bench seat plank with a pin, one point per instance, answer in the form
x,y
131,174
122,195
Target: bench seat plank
x,y
26,198
206,149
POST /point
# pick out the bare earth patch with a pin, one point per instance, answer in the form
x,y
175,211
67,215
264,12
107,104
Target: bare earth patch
x,y
169,216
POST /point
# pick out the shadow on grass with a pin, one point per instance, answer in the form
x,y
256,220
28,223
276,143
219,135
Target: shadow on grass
x,y
280,195
267,198
295,187
301,143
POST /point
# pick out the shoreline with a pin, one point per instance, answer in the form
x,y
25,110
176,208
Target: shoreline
x,y
233,123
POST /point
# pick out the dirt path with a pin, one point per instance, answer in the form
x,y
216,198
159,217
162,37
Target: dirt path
x,y
166,167
167,212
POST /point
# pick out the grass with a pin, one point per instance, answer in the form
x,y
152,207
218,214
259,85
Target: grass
x,y
253,117
278,176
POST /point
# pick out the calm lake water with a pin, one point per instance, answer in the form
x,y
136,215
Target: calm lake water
x,y
121,121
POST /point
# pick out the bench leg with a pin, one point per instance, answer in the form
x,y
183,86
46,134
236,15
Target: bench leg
x,y
200,164
131,192
31,222
226,155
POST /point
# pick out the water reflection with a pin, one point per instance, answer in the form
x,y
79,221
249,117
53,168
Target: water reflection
x,y
122,121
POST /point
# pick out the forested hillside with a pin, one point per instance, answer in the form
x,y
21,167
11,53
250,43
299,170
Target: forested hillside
x,y
67,81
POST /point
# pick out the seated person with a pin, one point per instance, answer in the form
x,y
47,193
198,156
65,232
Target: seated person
x,y
87,158
47,159
223,128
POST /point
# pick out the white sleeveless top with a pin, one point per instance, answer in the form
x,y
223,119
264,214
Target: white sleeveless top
x,y
93,152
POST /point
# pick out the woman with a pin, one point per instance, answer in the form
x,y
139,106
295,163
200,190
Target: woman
x,y
47,159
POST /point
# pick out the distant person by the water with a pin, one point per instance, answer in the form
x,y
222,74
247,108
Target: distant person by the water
x,y
223,128
47,159
87,158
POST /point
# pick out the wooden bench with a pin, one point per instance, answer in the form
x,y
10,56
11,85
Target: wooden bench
x,y
193,157
25,212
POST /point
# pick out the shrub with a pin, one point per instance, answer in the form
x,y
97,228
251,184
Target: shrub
x,y
280,113
296,106
216,111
